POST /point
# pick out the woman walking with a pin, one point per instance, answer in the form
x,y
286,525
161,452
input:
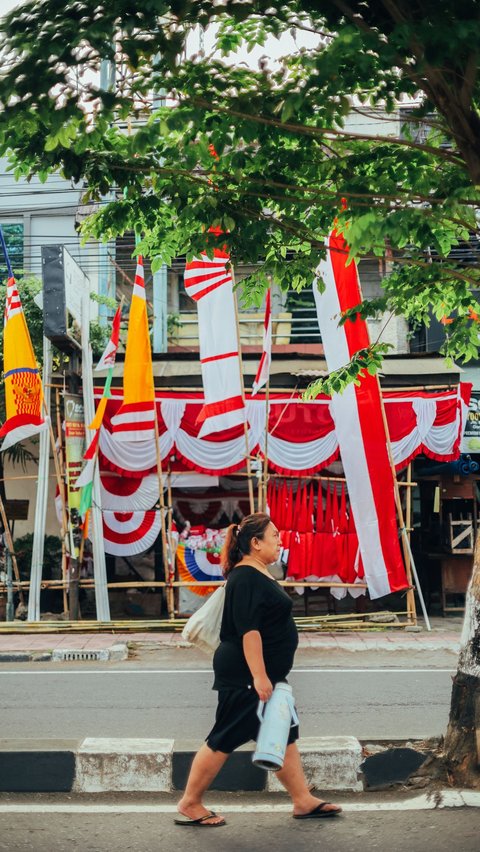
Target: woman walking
x,y
258,640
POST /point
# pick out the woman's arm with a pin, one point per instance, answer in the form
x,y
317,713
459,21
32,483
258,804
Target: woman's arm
x,y
253,650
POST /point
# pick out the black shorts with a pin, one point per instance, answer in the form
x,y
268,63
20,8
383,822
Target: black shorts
x,y
236,720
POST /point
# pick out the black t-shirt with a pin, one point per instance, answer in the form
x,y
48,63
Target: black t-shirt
x,y
254,602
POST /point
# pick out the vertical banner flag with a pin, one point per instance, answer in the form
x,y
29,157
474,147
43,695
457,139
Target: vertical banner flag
x,y
135,420
74,448
23,386
359,426
107,362
108,358
210,285
263,371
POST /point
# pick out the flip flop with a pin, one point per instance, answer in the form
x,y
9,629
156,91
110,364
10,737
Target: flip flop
x,y
319,812
201,821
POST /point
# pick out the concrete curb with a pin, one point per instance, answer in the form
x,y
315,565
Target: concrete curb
x,y
96,765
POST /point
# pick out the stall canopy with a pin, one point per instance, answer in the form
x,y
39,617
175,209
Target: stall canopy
x,y
301,435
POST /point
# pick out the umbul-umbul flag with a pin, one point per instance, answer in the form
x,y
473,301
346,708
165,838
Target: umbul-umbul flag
x,y
85,480
23,386
108,358
359,426
135,420
209,283
263,371
107,362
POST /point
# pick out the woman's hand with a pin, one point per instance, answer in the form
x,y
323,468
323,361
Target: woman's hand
x,y
263,687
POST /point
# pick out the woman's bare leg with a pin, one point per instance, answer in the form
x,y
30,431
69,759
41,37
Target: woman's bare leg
x,y
206,765
293,779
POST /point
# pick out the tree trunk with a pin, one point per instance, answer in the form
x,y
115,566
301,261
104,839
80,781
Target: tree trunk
x,y
462,756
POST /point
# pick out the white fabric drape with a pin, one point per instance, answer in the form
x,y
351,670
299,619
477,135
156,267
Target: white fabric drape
x,y
144,497
299,457
218,456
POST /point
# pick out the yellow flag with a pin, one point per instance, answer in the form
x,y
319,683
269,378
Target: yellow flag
x,y
135,420
23,386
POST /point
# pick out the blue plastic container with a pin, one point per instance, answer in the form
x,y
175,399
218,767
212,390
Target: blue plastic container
x,y
276,717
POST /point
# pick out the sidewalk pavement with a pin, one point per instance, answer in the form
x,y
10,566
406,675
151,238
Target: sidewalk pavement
x,y
22,647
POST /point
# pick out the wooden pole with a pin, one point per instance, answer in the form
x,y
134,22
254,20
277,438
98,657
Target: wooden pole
x,y
169,534
408,501
61,459
167,561
242,385
411,608
66,526
9,543
265,446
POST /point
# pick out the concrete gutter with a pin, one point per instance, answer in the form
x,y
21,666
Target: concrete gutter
x,y
77,652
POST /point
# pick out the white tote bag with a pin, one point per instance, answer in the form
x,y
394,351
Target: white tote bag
x,y
203,627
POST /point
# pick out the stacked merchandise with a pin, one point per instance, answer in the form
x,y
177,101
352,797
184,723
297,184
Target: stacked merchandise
x,y
198,558
318,533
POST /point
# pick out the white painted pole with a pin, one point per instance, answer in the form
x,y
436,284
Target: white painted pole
x,y
40,519
96,528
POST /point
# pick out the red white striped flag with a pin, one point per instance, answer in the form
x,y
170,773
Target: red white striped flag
x,y
210,284
108,358
359,425
263,371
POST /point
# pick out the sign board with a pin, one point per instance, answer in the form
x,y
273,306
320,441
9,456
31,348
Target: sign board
x,y
64,286
74,450
471,436
75,284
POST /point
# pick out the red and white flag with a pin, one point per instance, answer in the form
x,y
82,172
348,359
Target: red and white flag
x,y
108,358
263,371
359,425
210,284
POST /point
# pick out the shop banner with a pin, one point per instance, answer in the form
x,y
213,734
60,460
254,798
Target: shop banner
x,y
471,436
74,447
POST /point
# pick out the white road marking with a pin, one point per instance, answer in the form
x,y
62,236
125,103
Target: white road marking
x,y
54,672
440,799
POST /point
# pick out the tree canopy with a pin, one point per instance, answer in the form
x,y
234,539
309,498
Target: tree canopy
x,y
266,154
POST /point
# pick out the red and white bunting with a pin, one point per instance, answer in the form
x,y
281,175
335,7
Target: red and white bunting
x,y
130,533
210,284
359,425
263,371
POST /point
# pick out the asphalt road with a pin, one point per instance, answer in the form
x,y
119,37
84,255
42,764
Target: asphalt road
x,y
170,695
417,831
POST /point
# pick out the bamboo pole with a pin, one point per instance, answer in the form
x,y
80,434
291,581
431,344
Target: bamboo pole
x,y
314,476
397,389
242,386
407,553
169,532
66,525
9,543
61,458
265,448
168,567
